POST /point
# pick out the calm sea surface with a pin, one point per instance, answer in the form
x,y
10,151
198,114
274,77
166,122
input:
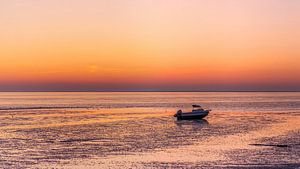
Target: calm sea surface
x,y
137,130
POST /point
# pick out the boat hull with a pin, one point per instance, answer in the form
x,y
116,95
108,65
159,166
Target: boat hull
x,y
192,115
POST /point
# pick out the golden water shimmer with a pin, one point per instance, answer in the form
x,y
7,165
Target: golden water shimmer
x,y
137,130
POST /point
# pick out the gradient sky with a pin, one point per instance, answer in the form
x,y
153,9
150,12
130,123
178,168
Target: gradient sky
x,y
76,45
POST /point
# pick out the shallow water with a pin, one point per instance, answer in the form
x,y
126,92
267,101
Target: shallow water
x,y
137,130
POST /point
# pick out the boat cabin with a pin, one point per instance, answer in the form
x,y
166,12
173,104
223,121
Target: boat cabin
x,y
197,107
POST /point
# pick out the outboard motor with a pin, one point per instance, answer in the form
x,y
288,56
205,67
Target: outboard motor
x,y
178,113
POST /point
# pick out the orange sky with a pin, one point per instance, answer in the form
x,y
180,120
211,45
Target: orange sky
x,y
149,45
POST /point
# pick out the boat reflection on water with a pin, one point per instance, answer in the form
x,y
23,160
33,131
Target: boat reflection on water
x,y
195,123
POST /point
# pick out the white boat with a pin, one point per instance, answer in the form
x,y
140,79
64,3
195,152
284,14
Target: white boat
x,y
197,113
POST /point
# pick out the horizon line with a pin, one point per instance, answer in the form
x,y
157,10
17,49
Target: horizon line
x,y
157,91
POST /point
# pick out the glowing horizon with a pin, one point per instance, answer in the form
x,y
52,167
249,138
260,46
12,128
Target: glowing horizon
x,y
115,45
